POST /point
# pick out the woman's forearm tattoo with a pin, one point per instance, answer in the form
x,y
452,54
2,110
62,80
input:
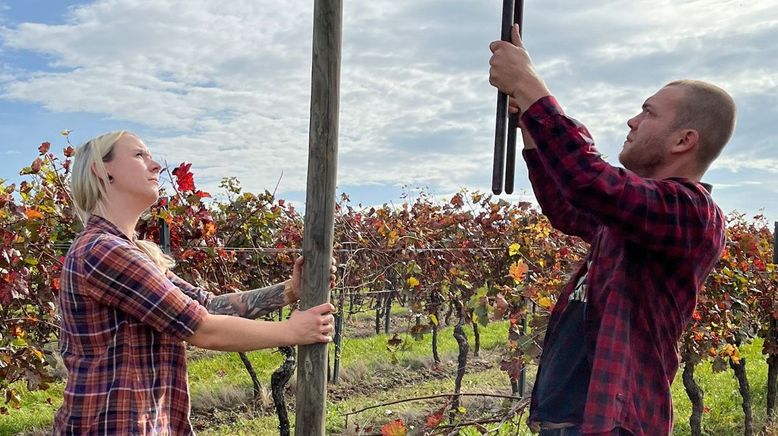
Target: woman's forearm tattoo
x,y
249,304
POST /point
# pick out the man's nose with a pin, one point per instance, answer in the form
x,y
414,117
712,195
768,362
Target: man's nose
x,y
633,122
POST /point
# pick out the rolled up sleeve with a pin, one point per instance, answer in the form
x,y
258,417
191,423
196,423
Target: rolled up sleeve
x,y
121,276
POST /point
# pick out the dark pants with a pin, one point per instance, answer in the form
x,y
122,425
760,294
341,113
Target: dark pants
x,y
575,431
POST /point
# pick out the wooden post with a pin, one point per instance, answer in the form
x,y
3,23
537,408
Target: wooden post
x,y
319,208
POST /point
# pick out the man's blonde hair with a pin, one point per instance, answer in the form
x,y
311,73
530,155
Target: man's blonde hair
x,y
88,187
710,111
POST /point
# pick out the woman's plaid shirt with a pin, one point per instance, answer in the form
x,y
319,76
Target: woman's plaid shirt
x,y
653,243
122,332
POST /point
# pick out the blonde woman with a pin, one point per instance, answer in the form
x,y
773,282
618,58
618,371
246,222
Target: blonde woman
x,y
125,315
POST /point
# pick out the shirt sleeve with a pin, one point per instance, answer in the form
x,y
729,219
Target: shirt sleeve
x,y
194,292
562,215
671,215
121,276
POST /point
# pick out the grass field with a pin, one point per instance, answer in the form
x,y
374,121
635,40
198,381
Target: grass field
x,y
221,388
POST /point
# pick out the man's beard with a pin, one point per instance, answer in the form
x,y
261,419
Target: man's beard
x,y
642,164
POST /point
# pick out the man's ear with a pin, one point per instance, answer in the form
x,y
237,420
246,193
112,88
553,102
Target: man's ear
x,y
687,140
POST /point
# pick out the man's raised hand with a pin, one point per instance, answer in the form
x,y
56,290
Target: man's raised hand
x,y
511,71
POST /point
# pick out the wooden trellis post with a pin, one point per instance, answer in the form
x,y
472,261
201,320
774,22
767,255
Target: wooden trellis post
x,y
319,208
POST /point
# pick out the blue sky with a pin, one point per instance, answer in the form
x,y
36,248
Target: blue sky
x,y
225,85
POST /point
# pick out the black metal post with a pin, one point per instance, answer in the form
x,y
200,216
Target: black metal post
x,y
504,164
513,119
164,232
498,168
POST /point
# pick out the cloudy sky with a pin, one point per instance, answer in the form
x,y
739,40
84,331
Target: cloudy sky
x,y
226,84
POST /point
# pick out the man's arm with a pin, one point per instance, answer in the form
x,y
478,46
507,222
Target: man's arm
x,y
252,304
670,216
563,216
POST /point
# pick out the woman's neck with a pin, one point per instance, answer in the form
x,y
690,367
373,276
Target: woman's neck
x,y
125,222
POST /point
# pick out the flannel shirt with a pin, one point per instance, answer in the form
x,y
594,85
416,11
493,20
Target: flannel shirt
x,y
652,245
123,323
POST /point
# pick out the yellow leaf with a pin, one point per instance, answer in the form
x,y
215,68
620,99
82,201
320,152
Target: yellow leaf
x,y
513,249
517,270
434,319
392,239
544,302
413,282
735,356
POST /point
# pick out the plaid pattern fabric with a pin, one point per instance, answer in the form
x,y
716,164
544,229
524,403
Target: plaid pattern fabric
x,y
653,243
122,331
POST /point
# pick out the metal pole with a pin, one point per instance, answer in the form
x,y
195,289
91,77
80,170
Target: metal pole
x,y
513,119
164,233
498,168
319,208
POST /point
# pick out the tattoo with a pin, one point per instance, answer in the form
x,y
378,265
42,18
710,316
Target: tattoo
x,y
250,304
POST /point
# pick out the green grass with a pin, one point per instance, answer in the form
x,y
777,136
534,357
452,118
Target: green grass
x,y
722,396
490,381
215,378
35,412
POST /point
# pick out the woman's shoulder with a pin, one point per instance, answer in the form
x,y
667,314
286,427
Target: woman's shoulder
x,y
93,239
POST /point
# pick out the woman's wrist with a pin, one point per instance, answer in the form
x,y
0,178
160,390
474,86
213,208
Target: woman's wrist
x,y
291,295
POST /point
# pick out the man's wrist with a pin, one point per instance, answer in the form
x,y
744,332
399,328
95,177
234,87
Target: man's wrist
x,y
526,101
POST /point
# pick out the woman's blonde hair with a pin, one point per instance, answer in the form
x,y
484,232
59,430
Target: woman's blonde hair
x,y
87,187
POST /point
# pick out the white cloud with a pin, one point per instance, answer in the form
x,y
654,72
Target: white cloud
x,y
742,162
225,84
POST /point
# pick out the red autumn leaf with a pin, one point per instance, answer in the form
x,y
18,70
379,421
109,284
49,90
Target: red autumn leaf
x,y
435,419
394,428
512,367
44,148
202,194
500,306
36,165
184,178
69,151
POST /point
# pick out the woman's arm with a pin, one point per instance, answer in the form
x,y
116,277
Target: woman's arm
x,y
253,304
230,333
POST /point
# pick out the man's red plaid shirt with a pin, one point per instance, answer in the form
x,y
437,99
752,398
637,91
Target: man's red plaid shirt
x,y
653,243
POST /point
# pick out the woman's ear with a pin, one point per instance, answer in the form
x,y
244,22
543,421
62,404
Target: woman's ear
x,y
97,174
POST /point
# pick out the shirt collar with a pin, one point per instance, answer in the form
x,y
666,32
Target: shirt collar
x,y
100,223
